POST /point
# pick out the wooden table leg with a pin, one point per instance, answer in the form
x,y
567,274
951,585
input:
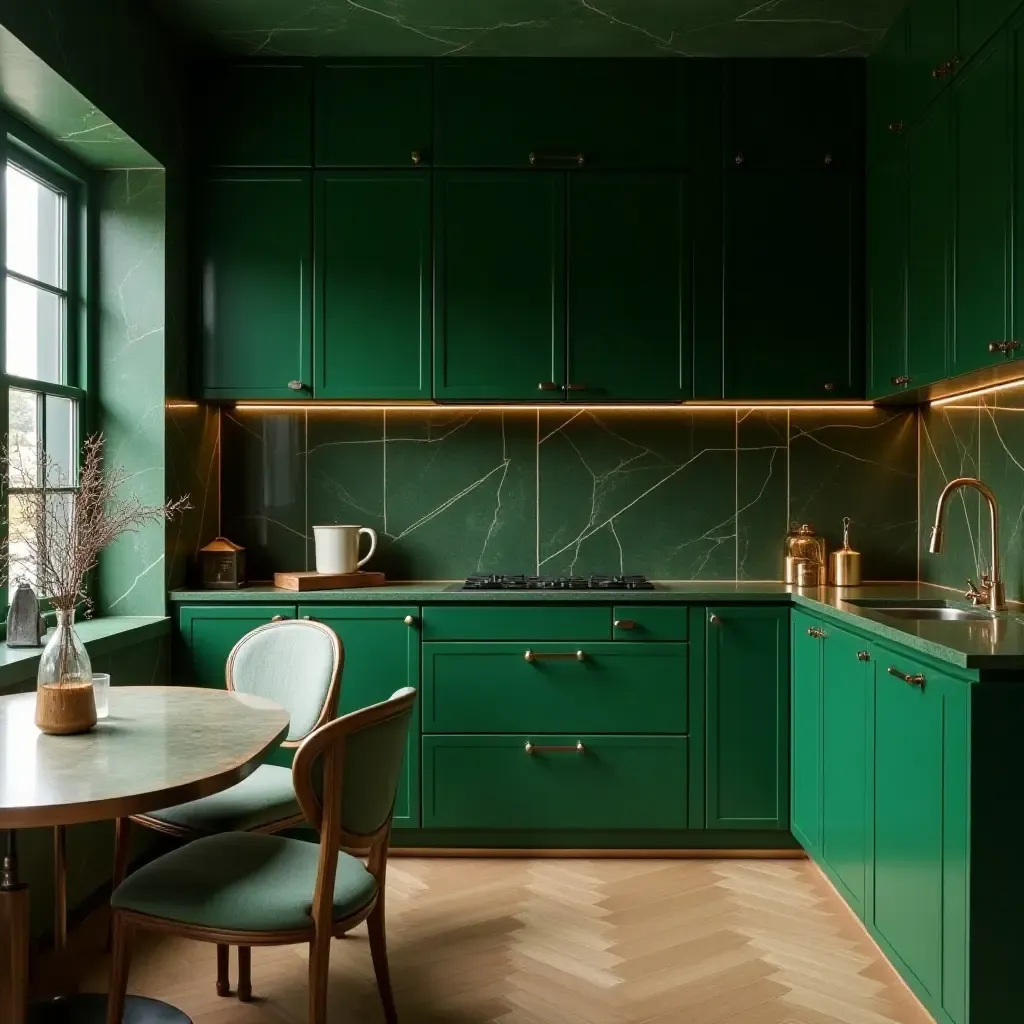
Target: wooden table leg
x,y
14,937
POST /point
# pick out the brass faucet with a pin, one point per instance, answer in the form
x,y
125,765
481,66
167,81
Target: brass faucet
x,y
991,592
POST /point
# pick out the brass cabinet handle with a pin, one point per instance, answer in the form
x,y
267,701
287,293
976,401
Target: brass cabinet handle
x,y
913,680
947,67
1005,347
900,380
276,618
830,387
417,156
555,655
548,385
624,624
818,634
557,158
896,126
714,619
296,385
409,620
863,656
536,748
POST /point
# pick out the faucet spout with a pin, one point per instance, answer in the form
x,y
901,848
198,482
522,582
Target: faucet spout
x,y
992,591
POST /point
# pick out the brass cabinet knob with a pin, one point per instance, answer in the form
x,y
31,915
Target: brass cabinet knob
x,y
896,126
624,624
739,158
548,385
828,160
409,620
900,380
276,618
863,656
416,157
830,386
714,619
529,656
296,385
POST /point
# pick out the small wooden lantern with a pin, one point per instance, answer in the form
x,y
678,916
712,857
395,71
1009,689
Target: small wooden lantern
x,y
223,564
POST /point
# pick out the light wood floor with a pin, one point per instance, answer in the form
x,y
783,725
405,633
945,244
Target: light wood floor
x,y
571,942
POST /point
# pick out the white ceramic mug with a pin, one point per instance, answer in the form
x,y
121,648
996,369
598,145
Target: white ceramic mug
x,y
337,548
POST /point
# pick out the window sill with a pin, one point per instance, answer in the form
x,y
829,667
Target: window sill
x,y
19,665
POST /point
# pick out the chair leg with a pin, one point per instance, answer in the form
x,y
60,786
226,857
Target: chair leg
x,y
245,974
119,966
379,953
223,971
122,847
319,965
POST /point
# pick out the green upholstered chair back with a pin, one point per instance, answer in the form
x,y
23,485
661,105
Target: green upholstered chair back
x,y
295,662
358,759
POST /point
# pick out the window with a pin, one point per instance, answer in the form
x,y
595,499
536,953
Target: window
x,y
44,403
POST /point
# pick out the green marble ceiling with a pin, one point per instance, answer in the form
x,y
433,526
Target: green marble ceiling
x,y
536,28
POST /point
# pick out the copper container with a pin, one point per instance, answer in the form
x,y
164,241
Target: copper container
x,y
808,574
844,565
803,545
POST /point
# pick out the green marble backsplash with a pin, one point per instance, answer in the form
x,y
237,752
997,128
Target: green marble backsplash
x,y
981,437
671,493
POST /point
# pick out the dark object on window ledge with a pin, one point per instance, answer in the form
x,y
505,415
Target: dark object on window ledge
x,y
223,565
25,626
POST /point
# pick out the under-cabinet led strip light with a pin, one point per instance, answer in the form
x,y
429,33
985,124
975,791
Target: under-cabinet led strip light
x,y
553,407
979,393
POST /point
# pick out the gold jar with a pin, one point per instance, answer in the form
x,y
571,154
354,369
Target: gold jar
x,y
803,545
844,567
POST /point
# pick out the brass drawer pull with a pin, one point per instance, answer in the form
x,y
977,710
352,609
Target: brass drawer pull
x,y
535,748
557,158
900,380
863,656
896,126
548,385
554,655
818,634
913,680
1004,347
624,624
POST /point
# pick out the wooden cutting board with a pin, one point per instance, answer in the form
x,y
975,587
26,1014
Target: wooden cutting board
x,y
327,581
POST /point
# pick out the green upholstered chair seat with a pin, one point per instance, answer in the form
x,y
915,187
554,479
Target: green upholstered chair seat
x,y
244,882
264,797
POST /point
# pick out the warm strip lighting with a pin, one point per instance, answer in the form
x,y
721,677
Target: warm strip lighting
x,y
967,395
556,407
181,405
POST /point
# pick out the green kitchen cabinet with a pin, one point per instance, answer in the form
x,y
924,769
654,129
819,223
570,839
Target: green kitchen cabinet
x,y
932,53
256,284
206,635
257,114
373,113
747,718
805,727
629,287
382,654
372,308
499,263
847,673
984,202
541,781
1016,43
525,622
929,244
919,827
791,327
888,106
978,20
888,199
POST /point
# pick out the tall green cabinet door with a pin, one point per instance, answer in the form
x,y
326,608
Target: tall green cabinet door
x,y
499,292
747,716
805,726
373,285
929,244
933,56
887,275
984,198
888,108
382,654
629,288
847,672
977,20
790,325
256,279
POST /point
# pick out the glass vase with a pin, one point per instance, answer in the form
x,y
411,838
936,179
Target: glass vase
x,y
65,702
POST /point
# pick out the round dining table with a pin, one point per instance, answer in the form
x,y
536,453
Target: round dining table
x,y
158,747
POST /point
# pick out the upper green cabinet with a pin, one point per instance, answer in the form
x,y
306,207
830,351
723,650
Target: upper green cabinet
x,y
373,114
888,108
977,20
499,319
791,326
512,113
257,114
629,287
792,113
373,285
931,46
747,708
256,269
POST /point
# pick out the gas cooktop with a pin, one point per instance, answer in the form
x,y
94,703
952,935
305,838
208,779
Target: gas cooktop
x,y
500,582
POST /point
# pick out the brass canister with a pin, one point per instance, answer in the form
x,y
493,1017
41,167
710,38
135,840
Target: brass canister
x,y
802,545
808,574
844,565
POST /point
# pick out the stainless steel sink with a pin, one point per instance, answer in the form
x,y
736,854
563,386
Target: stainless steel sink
x,y
935,614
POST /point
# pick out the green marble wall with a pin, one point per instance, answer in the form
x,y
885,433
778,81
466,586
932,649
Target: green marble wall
x,y
981,437
674,494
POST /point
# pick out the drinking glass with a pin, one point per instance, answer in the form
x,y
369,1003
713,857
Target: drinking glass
x,y
101,691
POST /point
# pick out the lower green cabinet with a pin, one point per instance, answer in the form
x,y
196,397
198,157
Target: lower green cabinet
x,y
569,781
747,724
805,725
382,654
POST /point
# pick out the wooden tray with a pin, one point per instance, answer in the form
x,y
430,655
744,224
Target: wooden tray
x,y
301,581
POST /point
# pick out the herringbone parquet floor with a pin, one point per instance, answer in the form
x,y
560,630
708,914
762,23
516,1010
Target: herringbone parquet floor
x,y
572,942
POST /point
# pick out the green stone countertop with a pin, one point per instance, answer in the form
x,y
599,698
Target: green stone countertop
x,y
995,644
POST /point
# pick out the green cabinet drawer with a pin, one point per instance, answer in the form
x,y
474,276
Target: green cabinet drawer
x,y
529,622
512,687
587,782
639,622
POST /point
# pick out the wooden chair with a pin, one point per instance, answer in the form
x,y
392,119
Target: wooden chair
x,y
249,889
298,664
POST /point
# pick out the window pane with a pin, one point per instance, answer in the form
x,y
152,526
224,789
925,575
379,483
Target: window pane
x,y
35,329
35,228
23,432
60,442
24,526
21,547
